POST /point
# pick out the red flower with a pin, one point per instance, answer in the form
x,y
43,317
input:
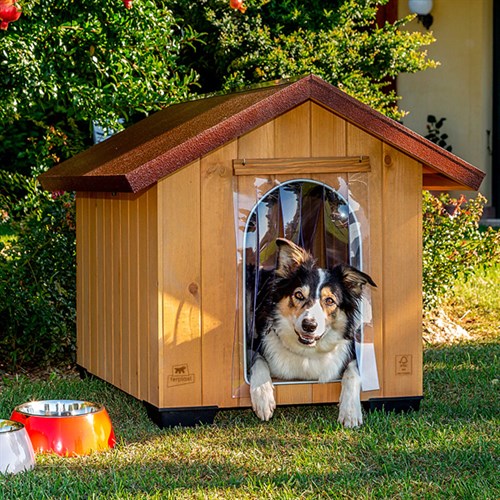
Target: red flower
x,y
127,3
238,5
9,12
57,194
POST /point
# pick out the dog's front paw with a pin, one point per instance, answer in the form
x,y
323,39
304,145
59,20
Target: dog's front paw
x,y
263,402
350,414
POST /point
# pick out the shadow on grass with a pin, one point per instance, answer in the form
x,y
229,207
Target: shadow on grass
x,y
462,381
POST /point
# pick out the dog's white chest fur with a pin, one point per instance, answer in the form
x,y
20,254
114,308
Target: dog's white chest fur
x,y
289,360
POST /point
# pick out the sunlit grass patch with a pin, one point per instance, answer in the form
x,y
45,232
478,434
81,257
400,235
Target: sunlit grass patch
x,y
476,303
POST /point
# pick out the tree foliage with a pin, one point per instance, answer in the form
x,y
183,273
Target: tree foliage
x,y
37,280
65,64
339,41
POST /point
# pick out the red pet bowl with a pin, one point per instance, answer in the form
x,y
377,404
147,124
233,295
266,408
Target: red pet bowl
x,y
66,427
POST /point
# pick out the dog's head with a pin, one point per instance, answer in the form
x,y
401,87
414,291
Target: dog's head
x,y
312,301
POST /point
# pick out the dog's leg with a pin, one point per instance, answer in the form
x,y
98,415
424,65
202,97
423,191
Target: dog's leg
x,y
261,389
349,404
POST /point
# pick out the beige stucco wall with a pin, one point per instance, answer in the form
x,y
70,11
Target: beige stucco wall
x,y
460,89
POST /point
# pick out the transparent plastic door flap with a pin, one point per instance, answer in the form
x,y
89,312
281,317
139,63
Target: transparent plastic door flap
x,y
325,218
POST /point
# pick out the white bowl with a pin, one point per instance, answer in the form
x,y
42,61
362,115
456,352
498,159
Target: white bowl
x,y
16,450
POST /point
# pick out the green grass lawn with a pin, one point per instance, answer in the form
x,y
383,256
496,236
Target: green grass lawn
x,y
449,449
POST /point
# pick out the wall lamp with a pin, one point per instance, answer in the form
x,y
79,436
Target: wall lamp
x,y
423,10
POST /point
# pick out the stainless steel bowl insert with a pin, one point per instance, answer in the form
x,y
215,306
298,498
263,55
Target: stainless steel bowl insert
x,y
58,408
9,425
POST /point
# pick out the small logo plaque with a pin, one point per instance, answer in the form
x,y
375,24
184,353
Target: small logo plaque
x,y
403,364
180,376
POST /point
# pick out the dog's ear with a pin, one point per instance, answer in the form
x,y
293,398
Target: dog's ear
x,y
354,279
290,257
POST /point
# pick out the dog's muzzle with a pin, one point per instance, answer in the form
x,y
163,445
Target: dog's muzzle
x,y
307,334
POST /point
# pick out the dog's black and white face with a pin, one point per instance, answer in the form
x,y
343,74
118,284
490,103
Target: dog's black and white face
x,y
314,303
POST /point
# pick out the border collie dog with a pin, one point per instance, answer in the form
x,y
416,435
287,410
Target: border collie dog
x,y
305,325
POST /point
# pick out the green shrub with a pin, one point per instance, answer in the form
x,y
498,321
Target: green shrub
x,y
37,280
454,244
338,41
65,64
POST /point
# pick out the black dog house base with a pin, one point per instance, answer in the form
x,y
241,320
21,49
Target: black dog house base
x,y
185,417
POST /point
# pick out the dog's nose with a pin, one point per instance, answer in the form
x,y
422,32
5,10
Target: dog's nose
x,y
309,325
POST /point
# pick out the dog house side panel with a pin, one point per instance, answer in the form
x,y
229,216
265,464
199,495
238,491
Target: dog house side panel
x,y
117,289
93,345
180,289
402,270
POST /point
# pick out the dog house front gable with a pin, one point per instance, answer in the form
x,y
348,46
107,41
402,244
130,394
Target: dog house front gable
x,y
157,281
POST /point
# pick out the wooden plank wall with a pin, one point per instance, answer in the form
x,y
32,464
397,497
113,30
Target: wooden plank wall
x,y
117,321
402,274
180,288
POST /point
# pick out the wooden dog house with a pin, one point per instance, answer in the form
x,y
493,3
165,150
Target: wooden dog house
x,y
158,272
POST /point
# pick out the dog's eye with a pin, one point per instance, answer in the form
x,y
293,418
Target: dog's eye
x,y
299,295
329,301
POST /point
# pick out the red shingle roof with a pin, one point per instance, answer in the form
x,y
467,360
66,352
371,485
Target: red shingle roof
x,y
157,146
